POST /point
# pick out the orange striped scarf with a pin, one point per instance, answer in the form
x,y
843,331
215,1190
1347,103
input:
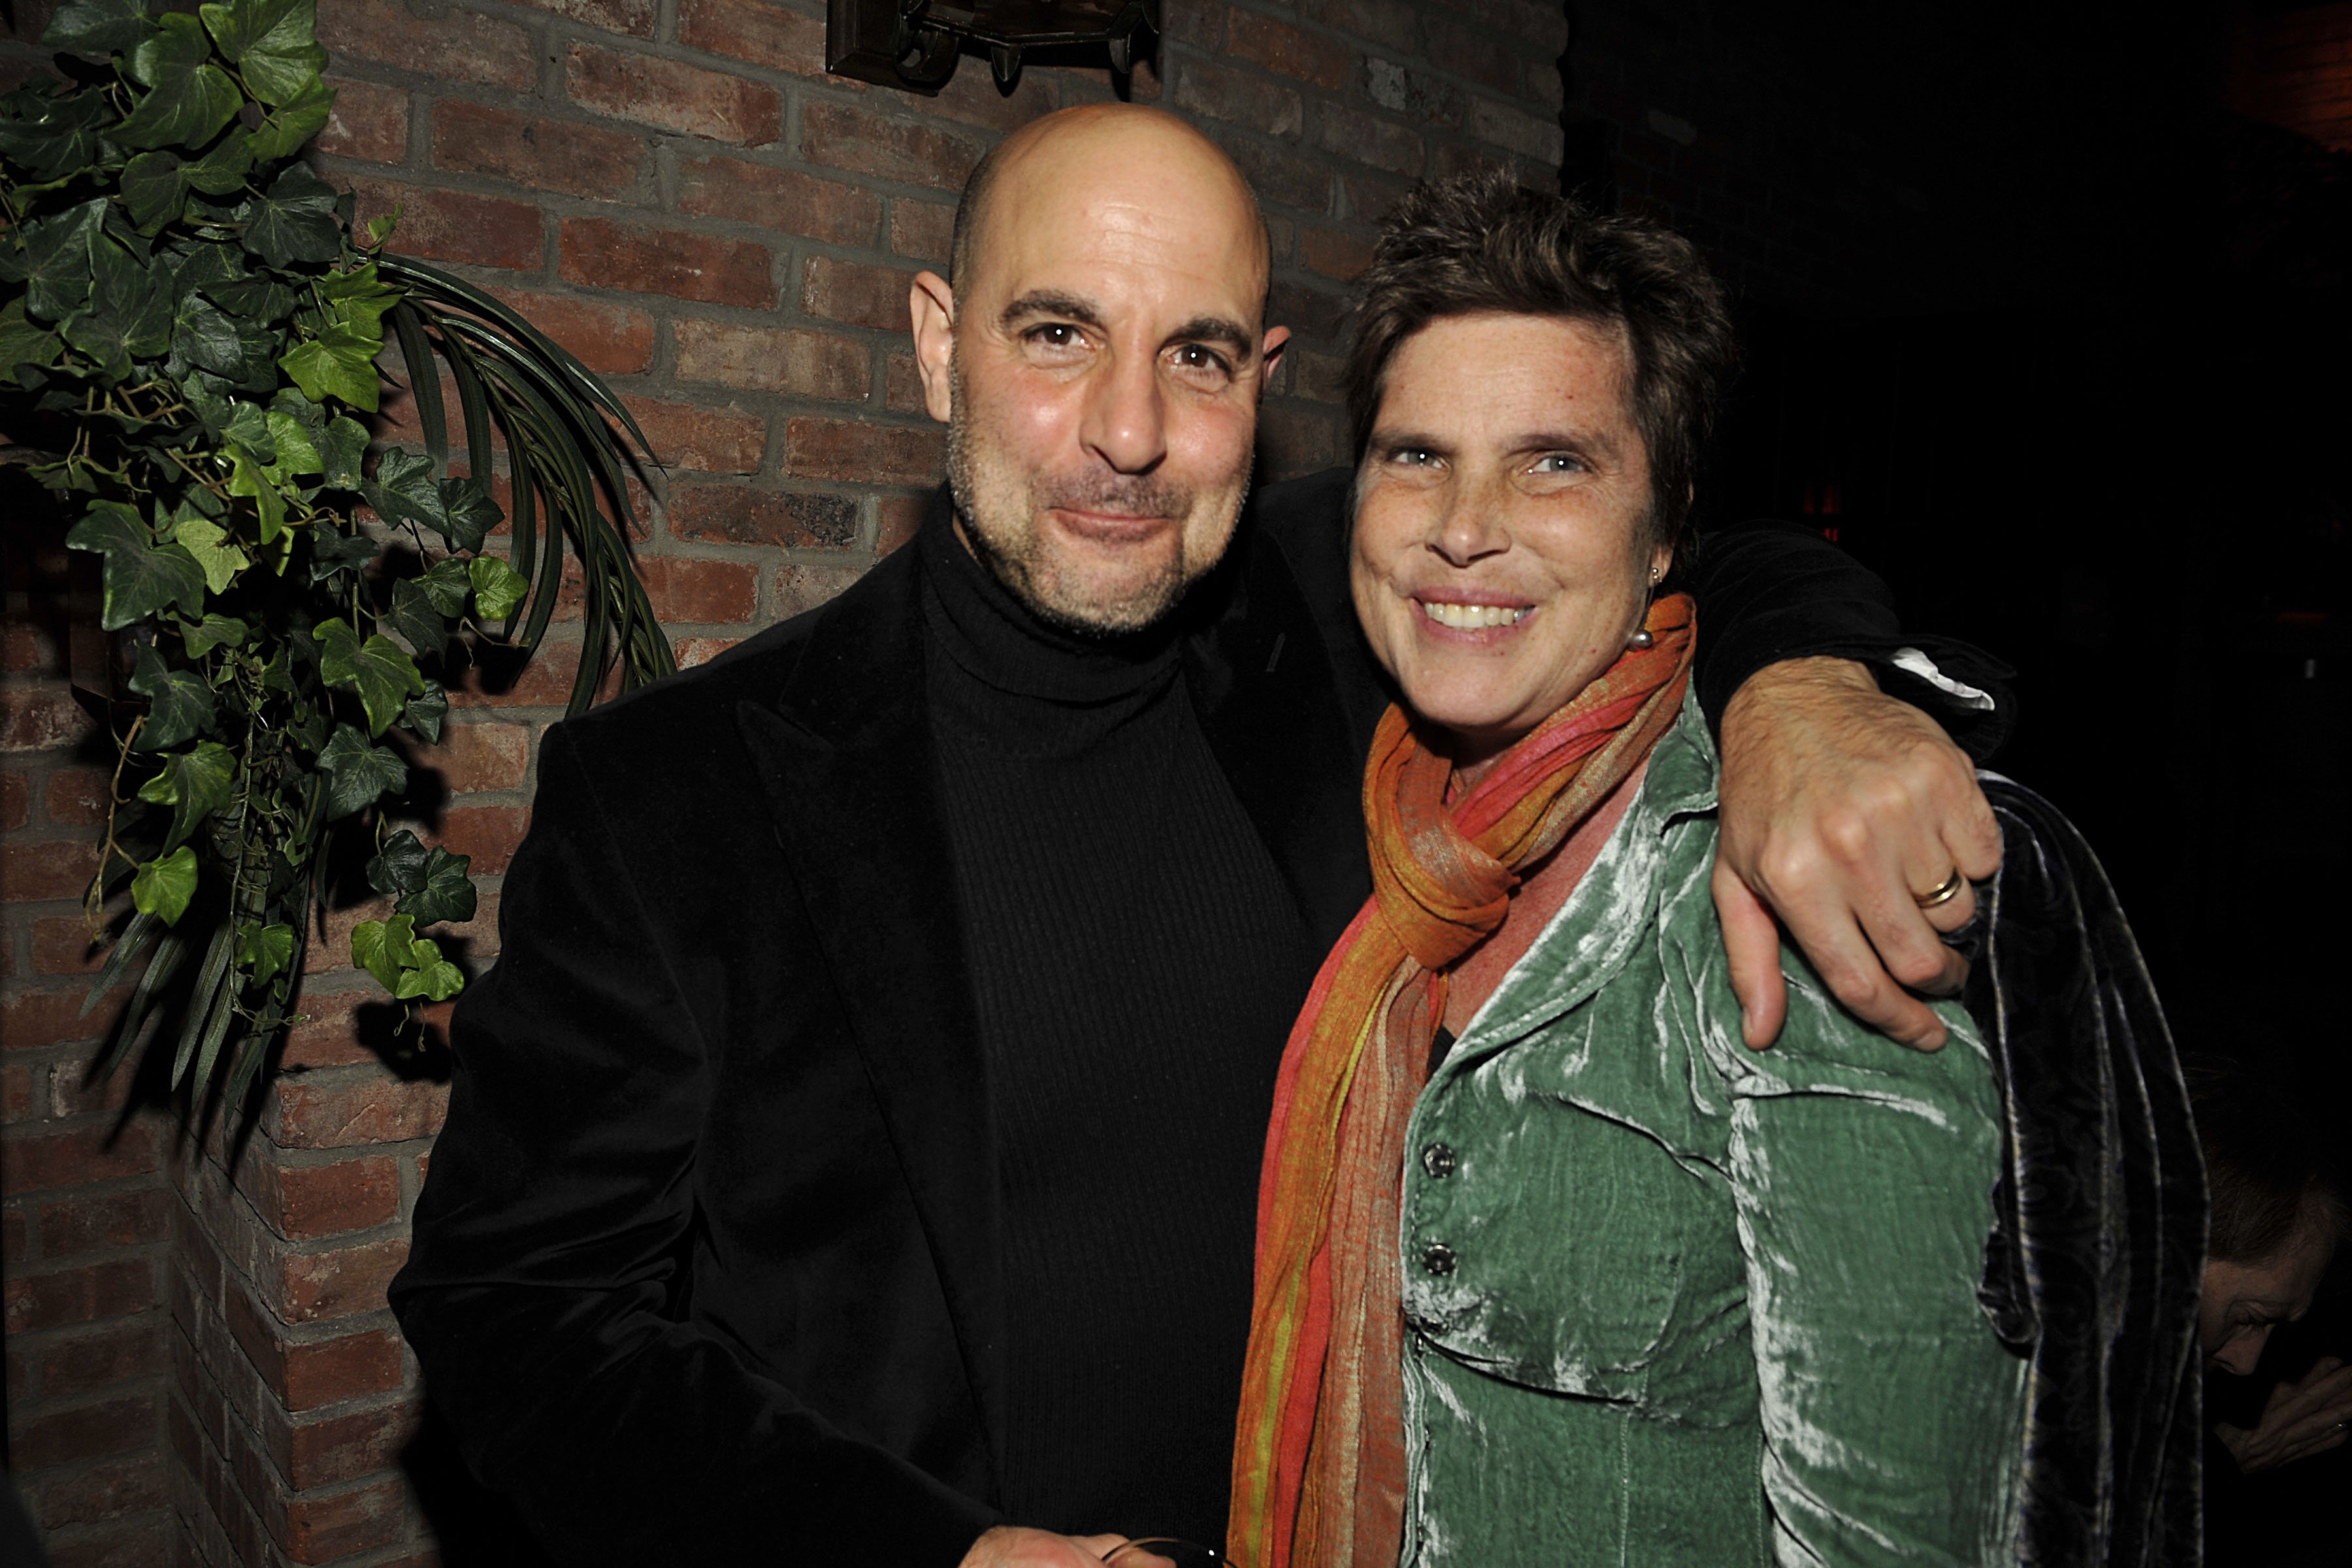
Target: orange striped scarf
x,y
1318,1451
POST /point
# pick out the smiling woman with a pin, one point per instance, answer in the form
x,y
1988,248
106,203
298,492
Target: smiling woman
x,y
1503,554
1551,1267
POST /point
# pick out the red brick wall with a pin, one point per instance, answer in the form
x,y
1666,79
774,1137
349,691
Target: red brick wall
x,y
201,1367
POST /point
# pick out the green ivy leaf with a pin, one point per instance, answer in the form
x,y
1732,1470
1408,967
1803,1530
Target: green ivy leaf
x,y
248,477
447,584
427,711
433,977
383,676
153,190
212,632
295,221
399,866
340,453
415,618
445,893
384,948
179,703
189,98
402,490
261,301
128,318
498,587
334,551
248,426
23,344
295,453
284,130
195,784
339,363
56,135
209,338
210,544
357,774
268,951
163,887
142,579
57,261
95,27
221,171
270,42
359,298
467,511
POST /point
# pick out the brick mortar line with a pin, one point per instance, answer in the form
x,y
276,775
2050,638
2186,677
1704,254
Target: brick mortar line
x,y
88,1399
78,1122
220,1462
393,1228
261,1448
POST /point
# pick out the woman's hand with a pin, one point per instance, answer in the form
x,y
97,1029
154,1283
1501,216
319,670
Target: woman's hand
x,y
2299,1419
1841,807
1009,1546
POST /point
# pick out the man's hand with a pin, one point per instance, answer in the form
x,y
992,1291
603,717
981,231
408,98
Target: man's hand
x,y
1008,1546
1841,807
2299,1419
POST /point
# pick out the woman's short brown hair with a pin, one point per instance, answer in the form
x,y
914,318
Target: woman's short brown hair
x,y
1481,242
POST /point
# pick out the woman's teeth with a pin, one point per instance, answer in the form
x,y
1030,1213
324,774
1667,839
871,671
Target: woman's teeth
x,y
1471,617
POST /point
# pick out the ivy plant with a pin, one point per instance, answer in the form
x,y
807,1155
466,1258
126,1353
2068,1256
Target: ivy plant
x,y
192,333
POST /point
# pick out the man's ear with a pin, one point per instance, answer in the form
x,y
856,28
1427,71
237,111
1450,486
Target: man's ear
x,y
1269,354
932,304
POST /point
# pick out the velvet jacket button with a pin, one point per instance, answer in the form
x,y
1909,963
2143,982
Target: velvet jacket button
x,y
1437,1258
1438,1161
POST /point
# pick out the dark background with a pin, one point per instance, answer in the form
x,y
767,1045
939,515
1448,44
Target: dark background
x,y
2047,321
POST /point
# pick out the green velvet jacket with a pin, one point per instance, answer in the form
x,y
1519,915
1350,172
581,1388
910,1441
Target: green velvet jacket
x,y
1672,1301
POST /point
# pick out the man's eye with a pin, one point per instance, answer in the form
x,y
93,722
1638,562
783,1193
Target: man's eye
x,y
1201,362
1413,457
1056,336
1559,463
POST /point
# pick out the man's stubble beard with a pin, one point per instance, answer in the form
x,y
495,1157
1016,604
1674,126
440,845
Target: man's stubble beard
x,y
1014,551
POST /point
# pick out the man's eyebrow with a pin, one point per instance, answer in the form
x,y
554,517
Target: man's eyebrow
x,y
1394,438
1222,330
1072,308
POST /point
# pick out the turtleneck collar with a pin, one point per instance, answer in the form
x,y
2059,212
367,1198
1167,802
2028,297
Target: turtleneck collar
x,y
1000,642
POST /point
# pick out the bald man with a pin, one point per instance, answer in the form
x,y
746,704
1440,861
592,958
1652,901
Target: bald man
x,y
851,1156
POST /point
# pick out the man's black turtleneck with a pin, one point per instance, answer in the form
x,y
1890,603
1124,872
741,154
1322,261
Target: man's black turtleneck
x,y
1137,961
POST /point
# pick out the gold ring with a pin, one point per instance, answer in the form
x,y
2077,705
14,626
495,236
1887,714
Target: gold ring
x,y
1945,891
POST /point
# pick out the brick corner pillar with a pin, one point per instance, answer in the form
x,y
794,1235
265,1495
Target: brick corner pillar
x,y
292,1396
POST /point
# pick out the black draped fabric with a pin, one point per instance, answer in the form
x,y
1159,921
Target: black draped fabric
x,y
2099,1251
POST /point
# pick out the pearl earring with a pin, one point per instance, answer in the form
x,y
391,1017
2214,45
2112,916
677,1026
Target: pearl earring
x,y
1642,638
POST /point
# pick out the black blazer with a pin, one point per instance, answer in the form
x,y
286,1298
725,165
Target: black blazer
x,y
706,1269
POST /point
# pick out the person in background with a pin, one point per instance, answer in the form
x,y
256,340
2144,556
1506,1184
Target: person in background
x,y
2278,1216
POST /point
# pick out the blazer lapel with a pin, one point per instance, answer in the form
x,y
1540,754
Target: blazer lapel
x,y
844,758
1284,727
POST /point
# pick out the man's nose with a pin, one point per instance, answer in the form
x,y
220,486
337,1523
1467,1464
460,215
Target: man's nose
x,y
1126,424
1470,526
